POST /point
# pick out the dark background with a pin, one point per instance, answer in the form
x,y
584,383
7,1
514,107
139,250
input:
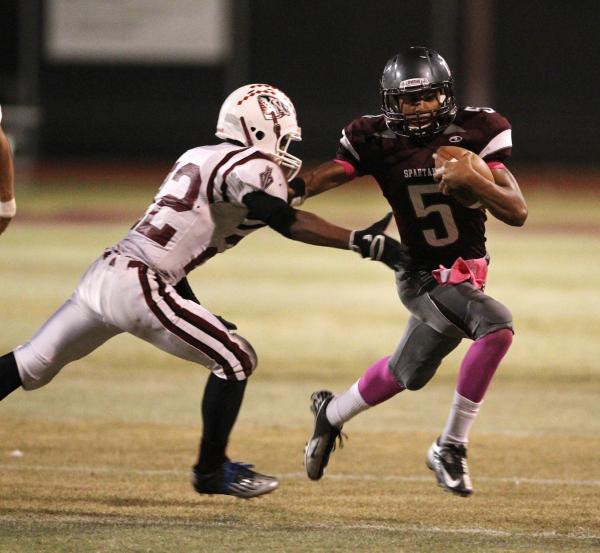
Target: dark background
x,y
327,55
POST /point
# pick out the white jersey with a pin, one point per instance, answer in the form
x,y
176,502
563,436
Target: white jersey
x,y
198,211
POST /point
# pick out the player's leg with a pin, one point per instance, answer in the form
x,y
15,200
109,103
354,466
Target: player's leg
x,y
184,328
489,324
70,333
413,364
376,385
10,379
476,372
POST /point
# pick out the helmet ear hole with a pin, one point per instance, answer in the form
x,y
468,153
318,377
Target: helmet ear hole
x,y
259,135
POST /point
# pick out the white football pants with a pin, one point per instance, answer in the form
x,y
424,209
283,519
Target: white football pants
x,y
118,294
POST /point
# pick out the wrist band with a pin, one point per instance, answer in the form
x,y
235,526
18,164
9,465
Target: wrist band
x,y
8,209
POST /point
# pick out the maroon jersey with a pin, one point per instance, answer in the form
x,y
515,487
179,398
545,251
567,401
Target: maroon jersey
x,y
434,227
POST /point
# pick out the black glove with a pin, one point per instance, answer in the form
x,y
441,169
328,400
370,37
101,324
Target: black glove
x,y
298,186
184,289
373,243
227,324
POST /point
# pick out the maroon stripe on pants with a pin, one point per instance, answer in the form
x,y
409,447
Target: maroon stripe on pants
x,y
207,328
189,339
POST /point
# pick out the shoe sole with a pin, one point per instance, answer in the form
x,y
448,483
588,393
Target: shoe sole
x,y
319,475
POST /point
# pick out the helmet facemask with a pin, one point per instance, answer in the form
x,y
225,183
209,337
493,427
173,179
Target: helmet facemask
x,y
290,163
421,124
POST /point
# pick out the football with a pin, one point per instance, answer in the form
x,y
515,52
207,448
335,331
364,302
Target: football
x,y
454,153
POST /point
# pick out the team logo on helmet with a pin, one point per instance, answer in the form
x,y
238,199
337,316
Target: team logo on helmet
x,y
412,83
272,108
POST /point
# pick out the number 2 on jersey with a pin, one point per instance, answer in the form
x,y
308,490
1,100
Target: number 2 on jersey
x,y
162,235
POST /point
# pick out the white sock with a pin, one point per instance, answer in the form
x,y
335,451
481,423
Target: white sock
x,y
345,406
460,419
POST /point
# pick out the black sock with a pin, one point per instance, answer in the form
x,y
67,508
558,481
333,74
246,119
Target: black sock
x,y
220,407
10,379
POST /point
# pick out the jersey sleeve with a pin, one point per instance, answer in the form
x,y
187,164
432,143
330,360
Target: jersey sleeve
x,y
497,145
259,174
352,147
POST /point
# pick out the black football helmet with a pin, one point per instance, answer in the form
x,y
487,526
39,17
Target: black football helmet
x,y
414,72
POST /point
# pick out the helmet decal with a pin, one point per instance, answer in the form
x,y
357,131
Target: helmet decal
x,y
272,108
409,83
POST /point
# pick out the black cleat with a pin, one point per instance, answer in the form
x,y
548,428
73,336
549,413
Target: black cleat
x,y
234,479
449,463
323,439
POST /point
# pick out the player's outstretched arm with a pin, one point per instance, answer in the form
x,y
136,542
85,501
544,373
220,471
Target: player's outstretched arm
x,y
7,192
324,177
370,243
303,226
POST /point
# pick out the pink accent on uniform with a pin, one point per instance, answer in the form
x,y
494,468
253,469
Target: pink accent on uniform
x,y
469,270
378,383
480,364
349,169
496,165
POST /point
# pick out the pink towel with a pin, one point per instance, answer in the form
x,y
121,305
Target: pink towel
x,y
469,270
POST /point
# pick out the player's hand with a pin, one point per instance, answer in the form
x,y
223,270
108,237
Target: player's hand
x,y
227,324
296,192
455,173
373,243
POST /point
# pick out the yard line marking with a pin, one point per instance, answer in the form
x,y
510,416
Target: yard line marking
x,y
408,478
199,524
18,465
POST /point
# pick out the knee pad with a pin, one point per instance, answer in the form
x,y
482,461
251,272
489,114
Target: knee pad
x,y
489,315
245,367
35,369
247,347
420,377
418,356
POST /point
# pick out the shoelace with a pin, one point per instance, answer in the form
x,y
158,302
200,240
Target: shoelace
x,y
456,457
339,440
234,470
339,436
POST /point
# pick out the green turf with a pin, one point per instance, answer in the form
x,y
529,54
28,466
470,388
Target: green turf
x,y
106,446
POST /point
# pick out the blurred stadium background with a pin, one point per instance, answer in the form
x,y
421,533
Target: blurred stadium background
x,y
100,97
136,79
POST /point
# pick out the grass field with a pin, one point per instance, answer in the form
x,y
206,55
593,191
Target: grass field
x,y
106,448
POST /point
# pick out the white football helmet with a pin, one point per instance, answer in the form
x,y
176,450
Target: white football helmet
x,y
260,115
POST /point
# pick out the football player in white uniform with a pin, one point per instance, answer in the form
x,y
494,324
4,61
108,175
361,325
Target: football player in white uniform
x,y
213,197
8,207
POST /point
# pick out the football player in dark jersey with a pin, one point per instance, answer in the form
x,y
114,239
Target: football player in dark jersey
x,y
443,289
